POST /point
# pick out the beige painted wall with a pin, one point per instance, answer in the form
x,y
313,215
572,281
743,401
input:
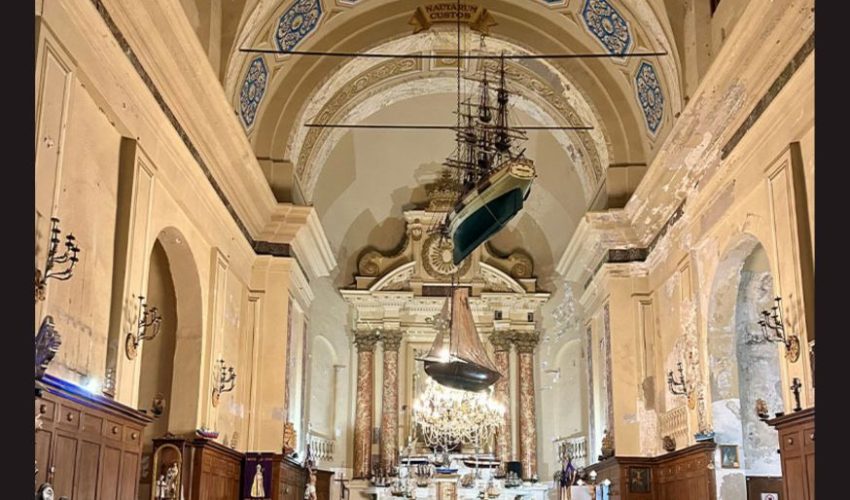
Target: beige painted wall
x,y
89,99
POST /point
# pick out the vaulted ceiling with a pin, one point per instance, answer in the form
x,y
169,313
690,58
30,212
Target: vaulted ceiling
x,y
360,181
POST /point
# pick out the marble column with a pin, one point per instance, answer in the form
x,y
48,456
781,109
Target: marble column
x,y
389,402
365,343
525,344
501,342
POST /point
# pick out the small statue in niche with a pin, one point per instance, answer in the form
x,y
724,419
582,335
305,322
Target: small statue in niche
x,y
171,481
258,490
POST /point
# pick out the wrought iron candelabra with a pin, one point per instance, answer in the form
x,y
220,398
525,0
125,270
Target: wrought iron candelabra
x,y
147,328
225,380
677,387
773,330
69,257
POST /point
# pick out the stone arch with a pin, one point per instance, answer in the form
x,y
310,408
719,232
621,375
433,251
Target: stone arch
x,y
739,369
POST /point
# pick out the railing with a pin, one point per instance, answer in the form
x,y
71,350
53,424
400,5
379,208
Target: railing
x,y
674,423
573,447
321,447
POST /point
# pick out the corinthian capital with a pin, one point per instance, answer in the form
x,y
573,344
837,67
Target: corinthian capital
x,y
501,341
526,341
365,341
391,339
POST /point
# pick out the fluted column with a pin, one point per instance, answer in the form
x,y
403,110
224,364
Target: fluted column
x,y
389,405
501,342
525,344
365,343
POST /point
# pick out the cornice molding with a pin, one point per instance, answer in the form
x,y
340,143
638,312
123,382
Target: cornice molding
x,y
695,145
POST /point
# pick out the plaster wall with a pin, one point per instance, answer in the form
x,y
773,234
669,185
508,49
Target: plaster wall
x,y
90,103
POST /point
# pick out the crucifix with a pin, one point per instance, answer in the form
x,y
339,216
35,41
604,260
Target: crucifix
x,y
795,388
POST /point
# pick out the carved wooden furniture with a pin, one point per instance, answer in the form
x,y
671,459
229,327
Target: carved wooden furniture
x,y
211,471
92,444
680,475
797,447
289,480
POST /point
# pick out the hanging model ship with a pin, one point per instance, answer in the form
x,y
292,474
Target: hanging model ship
x,y
494,178
493,181
463,363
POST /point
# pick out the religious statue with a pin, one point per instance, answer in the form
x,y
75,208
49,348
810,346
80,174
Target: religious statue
x,y
171,481
607,445
310,492
288,438
258,490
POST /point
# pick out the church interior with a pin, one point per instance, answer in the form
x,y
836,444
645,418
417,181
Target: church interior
x,y
448,249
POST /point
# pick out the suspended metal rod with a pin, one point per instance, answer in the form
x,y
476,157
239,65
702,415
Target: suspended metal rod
x,y
435,127
592,55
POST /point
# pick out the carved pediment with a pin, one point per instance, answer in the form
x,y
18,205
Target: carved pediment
x,y
422,262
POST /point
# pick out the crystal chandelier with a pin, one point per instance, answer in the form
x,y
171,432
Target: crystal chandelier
x,y
447,418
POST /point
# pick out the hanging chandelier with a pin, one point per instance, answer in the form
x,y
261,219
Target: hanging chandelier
x,y
447,418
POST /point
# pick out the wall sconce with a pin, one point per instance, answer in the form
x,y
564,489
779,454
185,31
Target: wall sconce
x,y
146,329
225,380
773,330
681,386
69,256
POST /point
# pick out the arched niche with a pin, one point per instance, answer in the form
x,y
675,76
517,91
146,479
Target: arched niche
x,y
171,363
323,360
569,408
742,368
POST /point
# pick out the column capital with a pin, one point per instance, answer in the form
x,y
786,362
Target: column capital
x,y
501,341
525,341
391,339
365,341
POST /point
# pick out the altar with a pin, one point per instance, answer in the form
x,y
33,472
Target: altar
x,y
449,489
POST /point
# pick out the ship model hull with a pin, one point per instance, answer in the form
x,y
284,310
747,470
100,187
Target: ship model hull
x,y
489,207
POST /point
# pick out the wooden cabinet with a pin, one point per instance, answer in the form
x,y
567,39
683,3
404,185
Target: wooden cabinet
x,y
680,475
289,480
211,471
797,447
88,446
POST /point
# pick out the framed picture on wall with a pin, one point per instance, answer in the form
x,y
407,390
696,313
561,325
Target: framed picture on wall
x,y
729,456
640,479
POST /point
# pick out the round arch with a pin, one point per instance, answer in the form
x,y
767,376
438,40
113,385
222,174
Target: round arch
x,y
741,368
